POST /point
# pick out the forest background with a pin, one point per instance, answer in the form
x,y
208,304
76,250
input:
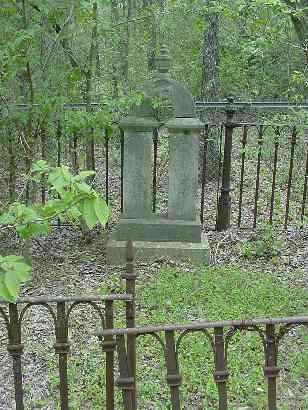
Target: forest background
x,y
57,52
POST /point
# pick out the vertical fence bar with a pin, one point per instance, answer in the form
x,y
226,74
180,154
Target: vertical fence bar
x,y
58,137
276,146
271,371
243,156
125,381
304,191
203,174
62,348
75,153
12,168
130,278
109,346
43,156
122,165
290,176
173,376
224,203
15,349
219,172
257,188
155,145
107,170
221,373
92,147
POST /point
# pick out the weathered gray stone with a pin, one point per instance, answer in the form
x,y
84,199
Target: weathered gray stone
x,y
137,170
177,100
178,236
158,230
183,167
197,253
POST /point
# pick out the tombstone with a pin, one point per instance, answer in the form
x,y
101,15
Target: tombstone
x,y
178,234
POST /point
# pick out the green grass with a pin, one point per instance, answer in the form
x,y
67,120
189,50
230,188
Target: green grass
x,y
172,296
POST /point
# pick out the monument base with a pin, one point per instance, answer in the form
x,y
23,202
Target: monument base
x,y
197,253
157,229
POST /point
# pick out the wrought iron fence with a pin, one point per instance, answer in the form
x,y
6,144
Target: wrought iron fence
x,y
169,338
271,332
234,196
60,310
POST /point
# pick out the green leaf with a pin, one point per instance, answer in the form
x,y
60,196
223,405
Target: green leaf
x,y
101,210
51,207
73,213
21,270
84,188
5,294
14,272
7,218
34,229
12,284
40,166
11,259
60,178
84,175
88,212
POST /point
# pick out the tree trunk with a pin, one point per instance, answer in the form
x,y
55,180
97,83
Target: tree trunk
x,y
210,67
90,152
210,88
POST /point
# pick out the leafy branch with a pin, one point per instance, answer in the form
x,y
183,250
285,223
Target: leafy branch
x,y
77,202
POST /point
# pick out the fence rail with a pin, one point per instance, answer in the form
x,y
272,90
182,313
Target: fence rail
x,y
271,332
60,310
198,104
218,334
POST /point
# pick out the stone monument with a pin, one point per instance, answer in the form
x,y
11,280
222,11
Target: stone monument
x,y
177,235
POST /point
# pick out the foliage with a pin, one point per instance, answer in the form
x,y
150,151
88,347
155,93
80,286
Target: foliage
x,y
13,272
267,245
73,200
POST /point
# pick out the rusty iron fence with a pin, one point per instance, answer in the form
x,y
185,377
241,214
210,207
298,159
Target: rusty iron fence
x,y
169,338
60,310
218,334
248,156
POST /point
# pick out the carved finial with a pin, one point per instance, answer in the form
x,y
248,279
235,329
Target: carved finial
x,y
163,61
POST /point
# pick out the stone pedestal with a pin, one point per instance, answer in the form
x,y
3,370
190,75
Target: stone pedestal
x,y
196,253
184,136
137,169
177,235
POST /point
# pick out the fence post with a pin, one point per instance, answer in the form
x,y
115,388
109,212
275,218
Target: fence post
x,y
130,278
224,202
62,348
155,142
221,373
109,347
15,348
125,381
271,371
174,378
